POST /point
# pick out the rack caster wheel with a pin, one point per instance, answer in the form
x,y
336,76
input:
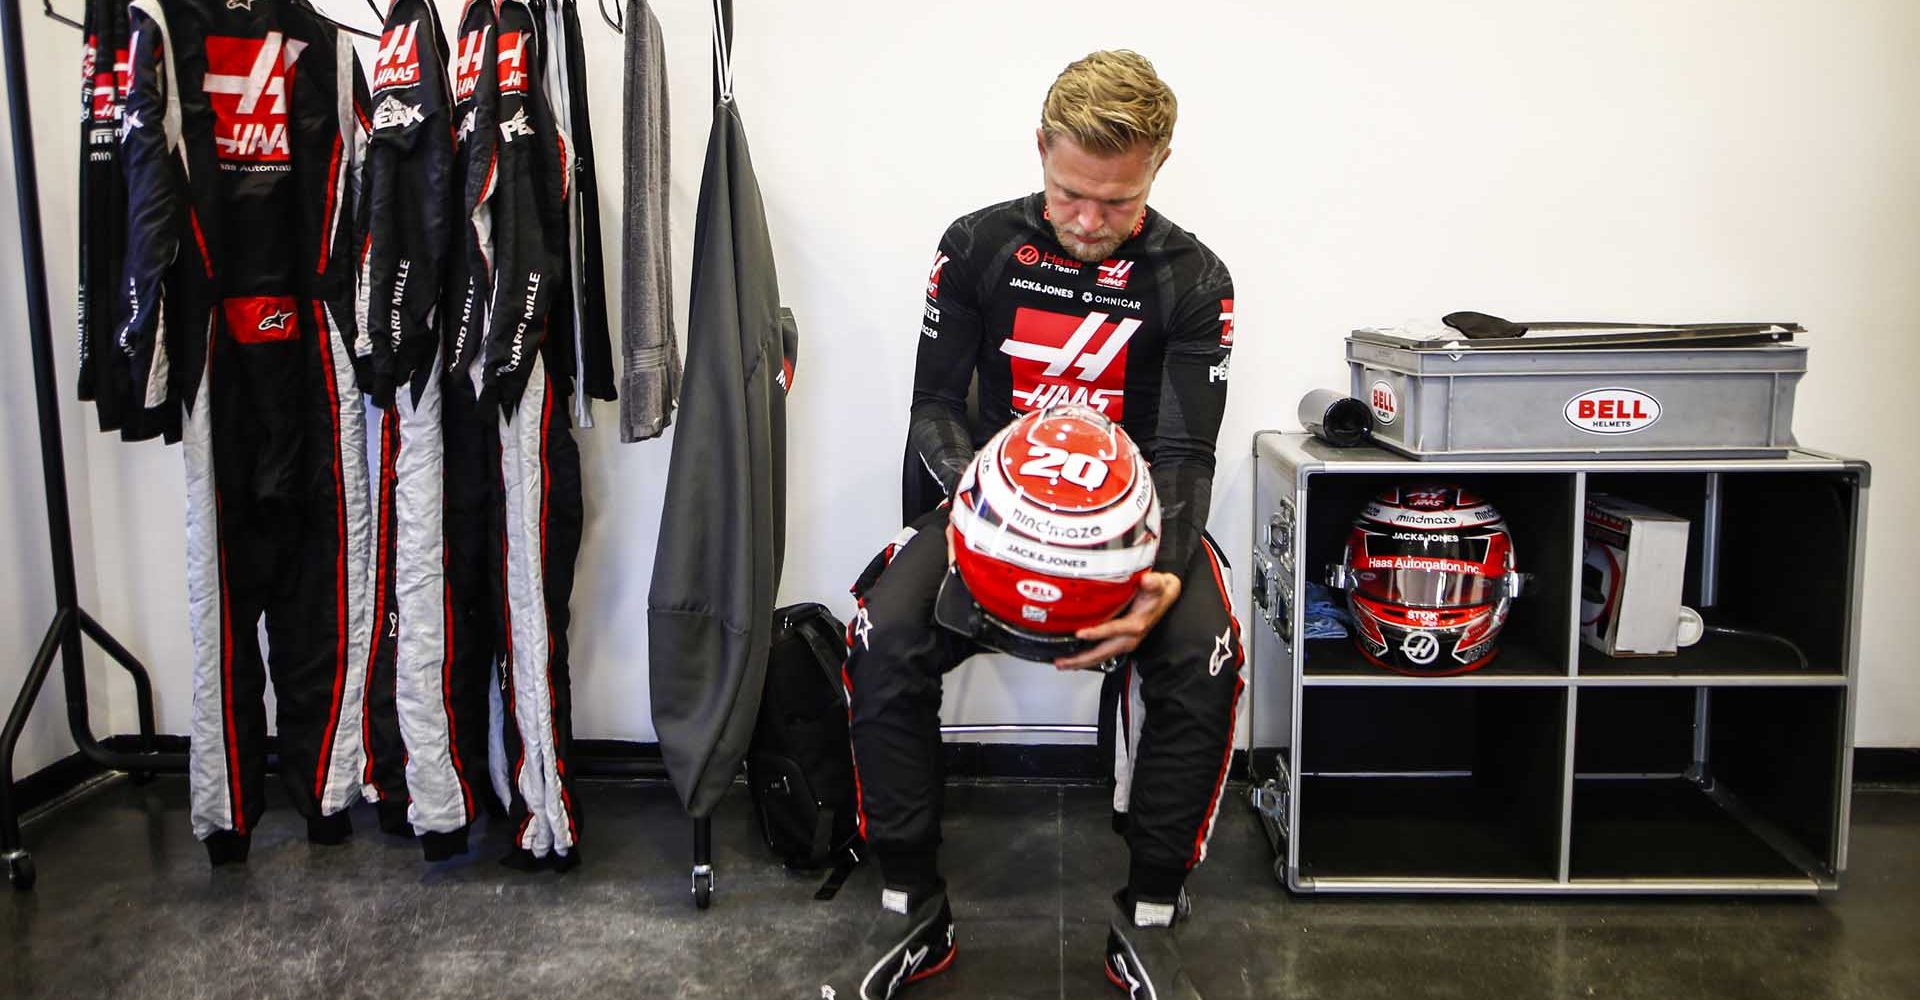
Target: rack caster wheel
x,y
702,886
20,871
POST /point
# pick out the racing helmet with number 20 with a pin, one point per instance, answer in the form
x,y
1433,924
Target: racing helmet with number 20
x,y
1054,522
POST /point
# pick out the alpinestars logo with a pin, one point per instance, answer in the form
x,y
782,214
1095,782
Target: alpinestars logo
x,y
393,114
1061,359
468,59
908,966
1222,652
515,126
512,61
1114,274
246,5
933,276
397,61
248,80
275,321
863,627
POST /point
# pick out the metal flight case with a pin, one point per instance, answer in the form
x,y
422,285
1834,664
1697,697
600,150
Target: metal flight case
x,y
1555,768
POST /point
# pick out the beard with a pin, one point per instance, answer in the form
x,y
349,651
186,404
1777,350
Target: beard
x,y
1089,248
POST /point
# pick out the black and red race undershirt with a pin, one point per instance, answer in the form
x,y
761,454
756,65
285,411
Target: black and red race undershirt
x,y
1145,337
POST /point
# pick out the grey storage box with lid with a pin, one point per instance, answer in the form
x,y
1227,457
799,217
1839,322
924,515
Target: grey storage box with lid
x,y
1641,395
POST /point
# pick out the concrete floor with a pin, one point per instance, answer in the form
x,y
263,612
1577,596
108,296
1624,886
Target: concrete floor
x,y
127,907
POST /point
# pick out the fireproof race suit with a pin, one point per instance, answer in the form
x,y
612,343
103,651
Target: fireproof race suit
x,y
1145,338
529,366
242,128
480,502
104,72
427,705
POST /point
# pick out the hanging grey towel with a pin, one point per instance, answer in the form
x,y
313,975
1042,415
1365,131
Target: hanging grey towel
x,y
722,535
651,383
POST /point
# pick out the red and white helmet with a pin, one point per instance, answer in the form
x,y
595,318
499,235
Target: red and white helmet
x,y
1054,523
1429,576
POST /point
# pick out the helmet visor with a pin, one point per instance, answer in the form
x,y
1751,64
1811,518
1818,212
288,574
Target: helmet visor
x,y
1426,588
1426,569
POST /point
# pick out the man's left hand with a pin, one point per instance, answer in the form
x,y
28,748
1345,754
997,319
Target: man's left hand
x,y
1122,635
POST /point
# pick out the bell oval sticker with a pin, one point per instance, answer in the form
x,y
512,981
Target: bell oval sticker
x,y
1613,411
1384,401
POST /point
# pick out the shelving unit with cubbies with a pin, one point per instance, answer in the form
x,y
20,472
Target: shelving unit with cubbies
x,y
1556,768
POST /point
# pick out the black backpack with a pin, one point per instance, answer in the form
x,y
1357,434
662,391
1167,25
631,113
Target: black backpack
x,y
800,764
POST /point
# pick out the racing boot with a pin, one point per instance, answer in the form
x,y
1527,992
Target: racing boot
x,y
1143,953
911,940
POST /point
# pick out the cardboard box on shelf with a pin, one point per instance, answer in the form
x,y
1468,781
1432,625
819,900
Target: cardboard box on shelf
x,y
1635,565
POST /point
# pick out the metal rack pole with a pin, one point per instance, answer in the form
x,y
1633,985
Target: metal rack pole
x,y
70,622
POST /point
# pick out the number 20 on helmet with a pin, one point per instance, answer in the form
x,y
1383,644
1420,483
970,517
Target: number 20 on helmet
x,y
1055,522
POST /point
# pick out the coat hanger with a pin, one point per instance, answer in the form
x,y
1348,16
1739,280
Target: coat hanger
x,y
618,24
46,7
342,25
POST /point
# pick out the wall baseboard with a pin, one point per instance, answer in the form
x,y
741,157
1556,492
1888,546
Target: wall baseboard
x,y
1886,766
1052,763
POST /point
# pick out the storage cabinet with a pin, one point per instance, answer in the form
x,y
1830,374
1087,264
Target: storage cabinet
x,y
1556,768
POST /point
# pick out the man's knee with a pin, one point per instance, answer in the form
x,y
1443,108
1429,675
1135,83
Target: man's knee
x,y
889,658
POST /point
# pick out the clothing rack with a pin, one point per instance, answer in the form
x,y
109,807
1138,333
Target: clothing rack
x,y
70,621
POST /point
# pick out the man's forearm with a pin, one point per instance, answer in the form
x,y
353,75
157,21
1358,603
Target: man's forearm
x,y
941,439
1185,496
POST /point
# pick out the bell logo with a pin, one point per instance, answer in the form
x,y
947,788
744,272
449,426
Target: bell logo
x,y
1038,590
1384,402
1613,411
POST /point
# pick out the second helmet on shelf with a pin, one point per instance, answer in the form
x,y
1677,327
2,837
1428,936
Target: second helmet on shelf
x,y
1429,574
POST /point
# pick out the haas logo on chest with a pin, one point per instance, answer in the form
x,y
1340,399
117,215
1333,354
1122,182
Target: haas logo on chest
x,y
247,82
1060,359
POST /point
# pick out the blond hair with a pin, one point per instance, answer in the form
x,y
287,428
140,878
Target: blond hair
x,y
1109,101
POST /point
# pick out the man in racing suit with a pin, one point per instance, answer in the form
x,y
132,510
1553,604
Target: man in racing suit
x,y
1079,294
243,125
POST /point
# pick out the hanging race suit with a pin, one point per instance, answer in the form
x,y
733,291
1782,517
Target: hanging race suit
x,y
243,125
105,74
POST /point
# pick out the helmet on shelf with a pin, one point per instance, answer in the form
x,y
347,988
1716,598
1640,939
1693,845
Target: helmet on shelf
x,y
1429,575
1054,523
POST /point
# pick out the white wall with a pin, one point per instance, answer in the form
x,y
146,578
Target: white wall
x,y
1353,163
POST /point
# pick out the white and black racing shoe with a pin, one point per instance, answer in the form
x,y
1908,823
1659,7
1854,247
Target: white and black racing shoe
x,y
910,941
1143,953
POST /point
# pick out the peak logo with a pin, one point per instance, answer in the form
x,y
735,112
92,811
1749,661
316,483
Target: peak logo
x,y
516,126
469,57
396,63
247,82
1114,274
392,113
512,61
1061,359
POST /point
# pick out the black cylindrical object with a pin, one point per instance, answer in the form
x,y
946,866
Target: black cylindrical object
x,y
1336,418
